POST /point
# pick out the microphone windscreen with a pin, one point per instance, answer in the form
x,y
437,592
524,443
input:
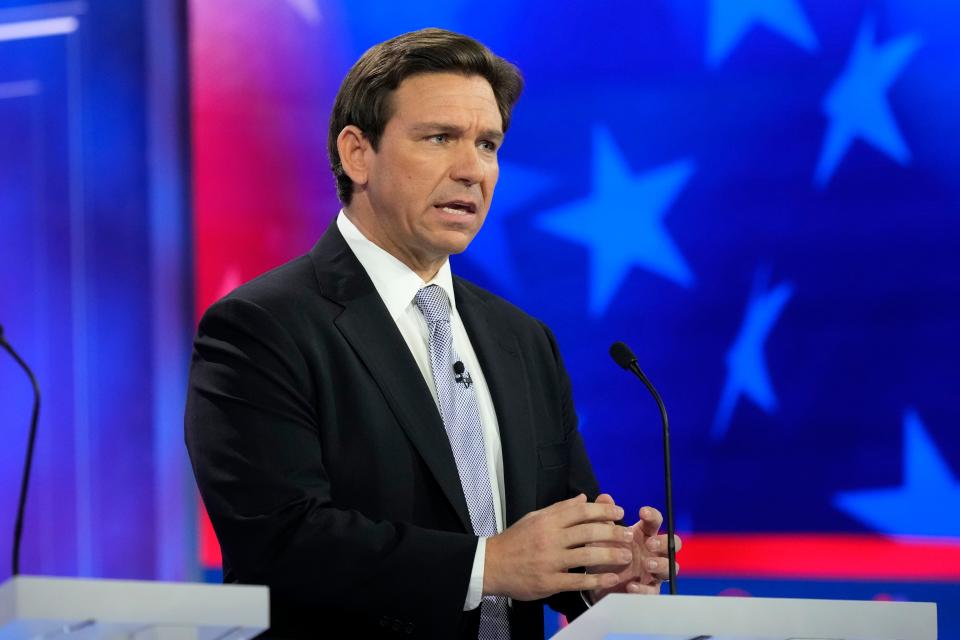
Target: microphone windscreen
x,y
622,355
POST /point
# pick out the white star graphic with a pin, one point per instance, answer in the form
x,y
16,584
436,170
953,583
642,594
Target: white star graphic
x,y
747,372
857,105
927,501
621,222
730,20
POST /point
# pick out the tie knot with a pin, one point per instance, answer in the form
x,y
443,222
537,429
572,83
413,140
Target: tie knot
x,y
433,304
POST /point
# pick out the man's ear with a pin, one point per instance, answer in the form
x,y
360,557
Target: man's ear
x,y
352,146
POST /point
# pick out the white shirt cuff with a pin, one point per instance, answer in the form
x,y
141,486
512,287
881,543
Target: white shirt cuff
x,y
475,589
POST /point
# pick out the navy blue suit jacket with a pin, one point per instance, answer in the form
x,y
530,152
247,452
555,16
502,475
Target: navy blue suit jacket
x,y
323,461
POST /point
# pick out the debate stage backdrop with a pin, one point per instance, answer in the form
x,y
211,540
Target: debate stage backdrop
x,y
762,197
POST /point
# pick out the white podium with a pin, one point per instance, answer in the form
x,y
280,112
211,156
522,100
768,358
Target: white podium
x,y
51,608
635,617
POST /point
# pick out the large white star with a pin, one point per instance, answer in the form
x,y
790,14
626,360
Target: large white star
x,y
928,501
730,20
621,222
857,104
747,372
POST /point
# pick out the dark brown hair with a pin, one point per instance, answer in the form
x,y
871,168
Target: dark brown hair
x,y
364,96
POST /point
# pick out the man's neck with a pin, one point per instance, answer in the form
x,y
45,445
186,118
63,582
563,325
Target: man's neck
x,y
426,269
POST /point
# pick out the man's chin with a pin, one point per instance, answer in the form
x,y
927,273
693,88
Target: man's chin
x,y
455,249
456,241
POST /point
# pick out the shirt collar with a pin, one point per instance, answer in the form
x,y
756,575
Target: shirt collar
x,y
396,283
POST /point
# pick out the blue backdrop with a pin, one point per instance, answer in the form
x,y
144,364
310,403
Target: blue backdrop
x,y
760,196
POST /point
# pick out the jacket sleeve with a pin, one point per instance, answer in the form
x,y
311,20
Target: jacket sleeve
x,y
253,436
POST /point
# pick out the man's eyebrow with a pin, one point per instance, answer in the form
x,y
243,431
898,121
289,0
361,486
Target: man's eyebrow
x,y
492,134
446,127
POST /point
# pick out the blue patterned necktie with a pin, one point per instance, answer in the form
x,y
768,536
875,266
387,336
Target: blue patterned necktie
x,y
461,418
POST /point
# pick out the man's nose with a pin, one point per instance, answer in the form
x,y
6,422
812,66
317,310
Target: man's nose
x,y
468,167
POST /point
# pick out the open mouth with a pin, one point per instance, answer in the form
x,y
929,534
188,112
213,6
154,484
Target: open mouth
x,y
457,207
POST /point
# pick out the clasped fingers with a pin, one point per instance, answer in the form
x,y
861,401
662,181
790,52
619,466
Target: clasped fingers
x,y
659,568
573,513
596,557
658,544
587,581
596,532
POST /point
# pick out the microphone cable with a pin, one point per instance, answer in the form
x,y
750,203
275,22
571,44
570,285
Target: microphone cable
x,y
21,505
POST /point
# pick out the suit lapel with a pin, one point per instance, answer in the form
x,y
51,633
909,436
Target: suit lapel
x,y
372,333
498,350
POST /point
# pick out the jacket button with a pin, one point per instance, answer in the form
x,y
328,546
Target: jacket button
x,y
408,629
396,625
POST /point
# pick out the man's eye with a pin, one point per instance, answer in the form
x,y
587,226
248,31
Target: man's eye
x,y
439,138
488,145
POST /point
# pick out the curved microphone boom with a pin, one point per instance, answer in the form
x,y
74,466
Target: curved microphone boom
x,y
21,505
624,357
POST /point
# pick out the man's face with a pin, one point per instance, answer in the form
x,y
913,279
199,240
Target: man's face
x,y
431,181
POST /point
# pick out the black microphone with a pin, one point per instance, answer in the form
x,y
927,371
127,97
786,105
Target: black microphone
x,y
18,528
459,377
624,357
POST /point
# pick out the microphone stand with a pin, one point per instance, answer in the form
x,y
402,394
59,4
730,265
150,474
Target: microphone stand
x,y
21,505
624,357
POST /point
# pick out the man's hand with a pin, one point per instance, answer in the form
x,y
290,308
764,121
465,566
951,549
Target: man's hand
x,y
530,560
649,565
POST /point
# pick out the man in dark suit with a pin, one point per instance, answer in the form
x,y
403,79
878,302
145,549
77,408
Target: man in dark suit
x,y
391,449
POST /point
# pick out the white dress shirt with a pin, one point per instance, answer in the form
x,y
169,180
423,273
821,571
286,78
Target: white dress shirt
x,y
397,285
